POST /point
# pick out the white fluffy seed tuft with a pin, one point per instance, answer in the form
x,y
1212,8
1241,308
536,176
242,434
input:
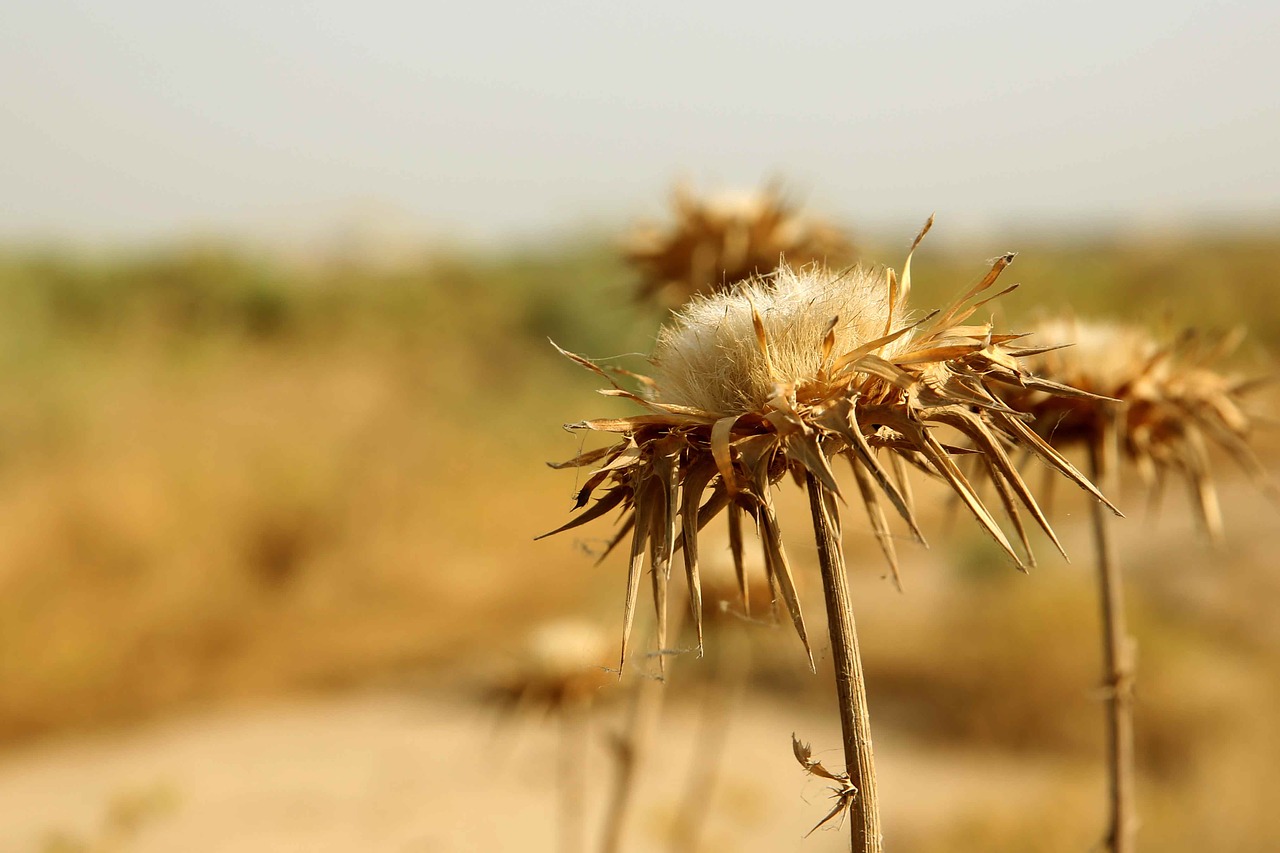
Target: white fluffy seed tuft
x,y
709,358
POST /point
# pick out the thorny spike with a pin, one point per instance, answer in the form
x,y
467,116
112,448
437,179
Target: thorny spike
x,y
870,347
1046,452
659,577
762,339
695,482
879,524
906,266
1002,469
936,455
1011,510
666,463
1202,491
904,485
635,567
843,421
606,503
891,281
735,547
957,313
828,347
776,558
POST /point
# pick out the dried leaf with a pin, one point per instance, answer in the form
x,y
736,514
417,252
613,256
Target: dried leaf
x,y
804,754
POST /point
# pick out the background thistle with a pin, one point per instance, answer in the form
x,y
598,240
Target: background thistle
x,y
719,240
1168,404
1175,403
561,676
562,667
779,376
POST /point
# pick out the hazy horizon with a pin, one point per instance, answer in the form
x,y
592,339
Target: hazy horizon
x,y
150,121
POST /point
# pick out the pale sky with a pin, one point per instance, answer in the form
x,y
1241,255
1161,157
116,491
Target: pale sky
x,y
139,119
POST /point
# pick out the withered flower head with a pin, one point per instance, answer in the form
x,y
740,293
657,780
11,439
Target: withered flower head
x,y
1173,402
718,241
563,665
781,375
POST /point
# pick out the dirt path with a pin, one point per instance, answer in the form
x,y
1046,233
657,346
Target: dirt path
x,y
391,772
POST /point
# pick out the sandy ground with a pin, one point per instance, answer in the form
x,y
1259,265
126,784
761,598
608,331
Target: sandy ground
x,y
396,772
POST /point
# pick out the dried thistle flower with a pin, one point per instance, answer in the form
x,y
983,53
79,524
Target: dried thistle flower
x,y
718,241
784,373
1174,403
778,376
561,675
563,666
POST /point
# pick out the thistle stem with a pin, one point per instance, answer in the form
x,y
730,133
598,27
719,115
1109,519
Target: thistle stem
x,y
1118,666
855,723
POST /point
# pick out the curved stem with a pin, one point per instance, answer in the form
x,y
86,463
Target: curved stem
x,y
855,723
1117,654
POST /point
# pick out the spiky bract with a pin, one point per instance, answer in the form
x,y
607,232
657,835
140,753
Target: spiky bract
x,y
781,376
718,241
1173,402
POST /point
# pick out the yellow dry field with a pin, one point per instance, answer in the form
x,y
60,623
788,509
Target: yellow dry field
x,y
267,560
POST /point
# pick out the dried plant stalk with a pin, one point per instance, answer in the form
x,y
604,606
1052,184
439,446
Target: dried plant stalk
x,y
1117,655
851,687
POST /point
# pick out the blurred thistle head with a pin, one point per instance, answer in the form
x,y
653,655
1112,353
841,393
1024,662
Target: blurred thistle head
x,y
1172,401
781,376
718,241
563,664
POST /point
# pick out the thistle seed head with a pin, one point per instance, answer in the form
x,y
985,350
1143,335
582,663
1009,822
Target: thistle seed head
x,y
720,240
564,663
783,375
709,358
1172,402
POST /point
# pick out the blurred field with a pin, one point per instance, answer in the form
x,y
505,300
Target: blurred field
x,y
228,477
